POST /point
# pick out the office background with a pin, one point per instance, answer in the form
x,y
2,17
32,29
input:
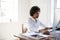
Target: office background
x,y
48,16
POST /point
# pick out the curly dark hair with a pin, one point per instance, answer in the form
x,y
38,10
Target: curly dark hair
x,y
33,10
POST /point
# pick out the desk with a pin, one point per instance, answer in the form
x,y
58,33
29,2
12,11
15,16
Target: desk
x,y
21,36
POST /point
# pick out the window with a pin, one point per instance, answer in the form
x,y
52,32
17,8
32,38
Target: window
x,y
58,3
8,11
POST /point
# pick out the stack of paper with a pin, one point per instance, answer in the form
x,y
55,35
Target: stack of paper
x,y
36,34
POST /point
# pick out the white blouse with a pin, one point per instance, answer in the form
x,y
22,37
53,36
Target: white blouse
x,y
34,25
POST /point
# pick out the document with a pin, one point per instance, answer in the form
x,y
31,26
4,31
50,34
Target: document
x,y
33,34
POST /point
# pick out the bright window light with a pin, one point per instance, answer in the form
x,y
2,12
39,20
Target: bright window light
x,y
58,3
9,11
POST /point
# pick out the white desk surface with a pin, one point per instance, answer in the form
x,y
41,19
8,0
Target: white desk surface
x,y
28,36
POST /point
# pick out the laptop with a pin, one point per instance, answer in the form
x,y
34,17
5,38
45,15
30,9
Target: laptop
x,y
58,26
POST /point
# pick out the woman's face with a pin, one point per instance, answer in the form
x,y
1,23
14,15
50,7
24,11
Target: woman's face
x,y
36,15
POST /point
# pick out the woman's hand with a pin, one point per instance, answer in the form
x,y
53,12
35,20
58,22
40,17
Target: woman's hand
x,y
44,31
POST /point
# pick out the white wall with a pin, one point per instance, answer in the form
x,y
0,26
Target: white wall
x,y
7,30
57,16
